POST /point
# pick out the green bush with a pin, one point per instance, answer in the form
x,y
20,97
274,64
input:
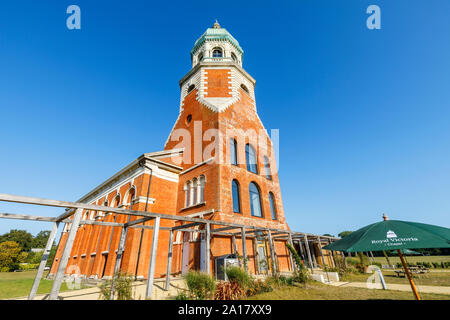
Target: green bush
x,y
300,273
201,285
279,281
258,286
122,283
181,296
352,261
28,266
238,275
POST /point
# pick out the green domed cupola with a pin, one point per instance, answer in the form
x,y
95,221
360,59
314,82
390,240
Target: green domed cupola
x,y
216,45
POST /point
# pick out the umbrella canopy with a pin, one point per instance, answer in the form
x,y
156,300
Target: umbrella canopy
x,y
408,252
393,235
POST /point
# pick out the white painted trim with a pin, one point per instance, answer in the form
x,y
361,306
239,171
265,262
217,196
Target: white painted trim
x,y
196,166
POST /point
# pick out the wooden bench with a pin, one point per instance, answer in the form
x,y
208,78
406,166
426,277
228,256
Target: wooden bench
x,y
412,270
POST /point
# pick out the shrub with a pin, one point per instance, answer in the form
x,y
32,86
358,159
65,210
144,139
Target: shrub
x,y
229,291
122,288
363,259
238,275
300,273
9,255
28,266
258,286
279,281
181,296
352,261
201,286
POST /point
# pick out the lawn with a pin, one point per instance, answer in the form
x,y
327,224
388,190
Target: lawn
x,y
319,291
428,279
18,284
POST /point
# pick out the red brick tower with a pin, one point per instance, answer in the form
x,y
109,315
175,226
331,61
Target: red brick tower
x,y
221,132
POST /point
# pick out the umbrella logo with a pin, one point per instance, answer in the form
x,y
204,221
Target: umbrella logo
x,y
391,234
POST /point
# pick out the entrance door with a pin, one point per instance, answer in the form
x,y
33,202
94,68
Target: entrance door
x,y
104,260
262,258
185,262
202,253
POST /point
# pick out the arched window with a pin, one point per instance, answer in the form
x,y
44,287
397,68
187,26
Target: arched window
x,y
188,119
273,208
217,53
190,88
233,57
187,194
128,200
244,87
117,201
233,152
255,200
200,58
201,189
267,168
194,191
236,196
250,156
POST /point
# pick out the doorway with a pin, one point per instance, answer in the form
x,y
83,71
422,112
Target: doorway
x,y
185,260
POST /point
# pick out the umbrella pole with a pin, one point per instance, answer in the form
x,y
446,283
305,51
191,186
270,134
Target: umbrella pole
x,y
411,282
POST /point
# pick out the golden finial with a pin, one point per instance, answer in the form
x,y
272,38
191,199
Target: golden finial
x,y
216,25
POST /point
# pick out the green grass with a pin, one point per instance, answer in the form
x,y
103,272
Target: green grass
x,y
18,284
319,291
427,279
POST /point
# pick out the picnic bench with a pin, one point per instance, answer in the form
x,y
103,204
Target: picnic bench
x,y
412,270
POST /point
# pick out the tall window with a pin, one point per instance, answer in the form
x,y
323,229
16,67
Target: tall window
x,y
236,196
233,56
255,200
233,151
217,53
194,192
250,156
187,191
201,189
273,208
267,168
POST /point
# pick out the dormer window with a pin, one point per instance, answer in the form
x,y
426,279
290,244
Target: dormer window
x,y
217,53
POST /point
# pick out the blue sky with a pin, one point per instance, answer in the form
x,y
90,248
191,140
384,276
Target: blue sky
x,y
363,114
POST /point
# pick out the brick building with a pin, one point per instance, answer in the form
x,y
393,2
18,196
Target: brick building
x,y
218,164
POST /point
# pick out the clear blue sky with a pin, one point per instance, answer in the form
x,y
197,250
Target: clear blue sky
x,y
363,114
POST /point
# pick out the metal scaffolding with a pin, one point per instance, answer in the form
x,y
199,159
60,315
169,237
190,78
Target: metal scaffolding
x,y
72,217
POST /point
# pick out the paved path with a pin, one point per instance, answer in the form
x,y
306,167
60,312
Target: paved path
x,y
393,286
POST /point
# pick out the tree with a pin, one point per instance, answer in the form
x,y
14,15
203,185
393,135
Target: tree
x,y
328,235
344,233
9,255
23,238
40,240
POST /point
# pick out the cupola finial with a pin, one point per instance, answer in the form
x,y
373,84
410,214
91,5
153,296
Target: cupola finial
x,y
216,25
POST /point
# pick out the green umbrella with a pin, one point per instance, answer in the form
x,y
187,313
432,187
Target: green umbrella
x,y
394,235
408,252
